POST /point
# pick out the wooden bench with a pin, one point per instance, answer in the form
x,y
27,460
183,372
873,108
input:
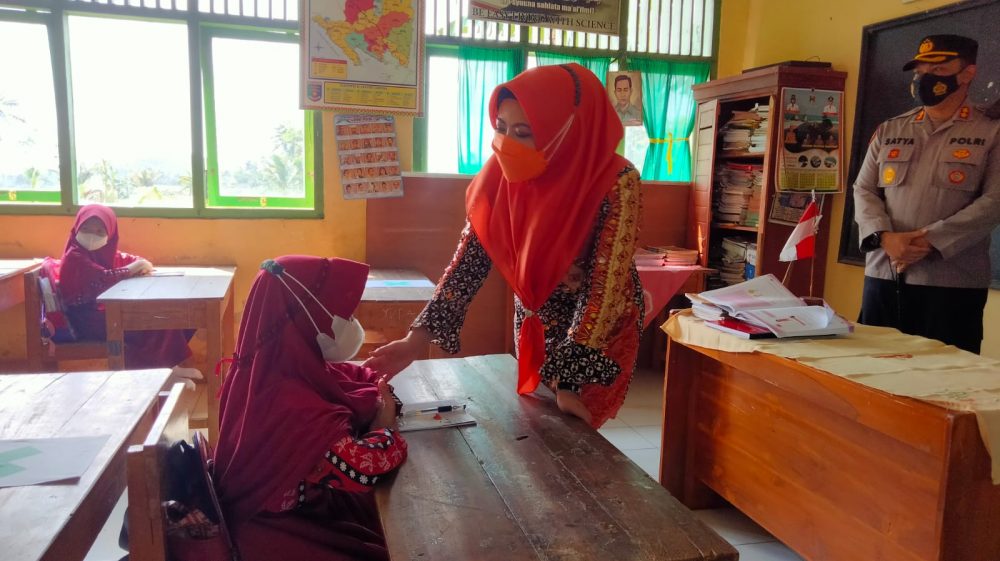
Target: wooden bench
x,y
525,483
147,485
43,355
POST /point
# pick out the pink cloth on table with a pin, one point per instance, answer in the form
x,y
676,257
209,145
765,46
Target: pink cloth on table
x,y
659,284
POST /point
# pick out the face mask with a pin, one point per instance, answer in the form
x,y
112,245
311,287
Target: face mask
x,y
348,335
91,242
932,89
520,163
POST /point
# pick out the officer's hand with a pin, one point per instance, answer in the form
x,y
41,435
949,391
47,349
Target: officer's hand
x,y
906,248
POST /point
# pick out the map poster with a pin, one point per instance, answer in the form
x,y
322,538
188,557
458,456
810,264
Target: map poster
x,y
368,155
362,56
591,16
812,155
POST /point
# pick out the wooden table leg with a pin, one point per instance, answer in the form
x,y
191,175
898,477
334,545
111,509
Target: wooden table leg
x,y
214,354
116,336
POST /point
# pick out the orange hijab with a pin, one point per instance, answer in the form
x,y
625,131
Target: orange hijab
x,y
535,229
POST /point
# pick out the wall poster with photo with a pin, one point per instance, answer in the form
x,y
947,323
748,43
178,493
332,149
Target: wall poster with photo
x,y
625,92
811,157
368,156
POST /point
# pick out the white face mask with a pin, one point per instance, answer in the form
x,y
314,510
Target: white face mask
x,y
348,335
92,242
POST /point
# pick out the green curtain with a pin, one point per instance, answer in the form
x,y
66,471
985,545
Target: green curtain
x,y
597,65
480,72
668,111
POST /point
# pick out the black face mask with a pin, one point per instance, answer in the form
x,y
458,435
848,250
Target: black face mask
x,y
932,89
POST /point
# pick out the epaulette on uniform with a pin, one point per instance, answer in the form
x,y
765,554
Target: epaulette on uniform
x,y
913,111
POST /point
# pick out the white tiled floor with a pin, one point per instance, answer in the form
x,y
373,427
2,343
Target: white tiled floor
x,y
637,432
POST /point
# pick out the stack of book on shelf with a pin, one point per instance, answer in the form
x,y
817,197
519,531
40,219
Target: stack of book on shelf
x,y
758,138
752,215
763,307
732,260
731,196
667,255
680,257
746,131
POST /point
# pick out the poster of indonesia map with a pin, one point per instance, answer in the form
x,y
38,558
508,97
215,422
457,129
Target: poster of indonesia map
x,y
362,56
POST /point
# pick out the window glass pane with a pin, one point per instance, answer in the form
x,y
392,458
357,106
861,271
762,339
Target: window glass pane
x,y
442,115
259,127
131,112
29,149
636,144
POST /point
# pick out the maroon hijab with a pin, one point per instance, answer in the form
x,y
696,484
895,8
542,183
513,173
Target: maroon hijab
x,y
282,404
79,265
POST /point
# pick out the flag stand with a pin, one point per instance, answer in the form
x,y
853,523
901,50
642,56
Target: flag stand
x,y
788,274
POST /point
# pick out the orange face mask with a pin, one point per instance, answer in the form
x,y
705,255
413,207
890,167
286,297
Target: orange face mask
x,y
520,163
517,161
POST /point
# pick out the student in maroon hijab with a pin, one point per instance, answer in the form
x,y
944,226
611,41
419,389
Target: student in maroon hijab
x,y
91,263
304,436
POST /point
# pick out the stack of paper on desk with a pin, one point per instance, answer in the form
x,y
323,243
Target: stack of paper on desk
x,y
765,304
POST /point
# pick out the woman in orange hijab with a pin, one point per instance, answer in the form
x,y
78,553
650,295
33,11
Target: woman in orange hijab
x,y
556,211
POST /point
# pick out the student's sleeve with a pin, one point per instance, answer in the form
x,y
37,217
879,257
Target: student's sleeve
x,y
123,259
444,315
356,464
869,201
976,221
101,278
608,288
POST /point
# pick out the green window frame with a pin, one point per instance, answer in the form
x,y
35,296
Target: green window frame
x,y
312,127
202,24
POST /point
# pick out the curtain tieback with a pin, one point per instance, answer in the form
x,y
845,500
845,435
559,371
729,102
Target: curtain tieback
x,y
669,141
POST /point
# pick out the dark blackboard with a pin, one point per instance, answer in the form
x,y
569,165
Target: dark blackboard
x,y
883,88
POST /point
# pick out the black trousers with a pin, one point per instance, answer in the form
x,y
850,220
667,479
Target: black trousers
x,y
951,315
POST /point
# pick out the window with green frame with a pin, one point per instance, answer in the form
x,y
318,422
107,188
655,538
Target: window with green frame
x,y
671,42
87,120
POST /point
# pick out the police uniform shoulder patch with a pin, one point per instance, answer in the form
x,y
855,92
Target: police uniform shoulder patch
x,y
911,112
889,175
964,112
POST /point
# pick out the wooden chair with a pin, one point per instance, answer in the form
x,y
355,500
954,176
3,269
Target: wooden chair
x,y
147,483
44,356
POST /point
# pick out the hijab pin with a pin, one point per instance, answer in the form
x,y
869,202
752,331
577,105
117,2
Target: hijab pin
x,y
272,266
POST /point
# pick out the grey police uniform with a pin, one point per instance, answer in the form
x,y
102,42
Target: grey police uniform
x,y
944,179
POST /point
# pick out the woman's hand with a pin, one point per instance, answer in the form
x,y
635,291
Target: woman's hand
x,y
390,359
140,267
385,418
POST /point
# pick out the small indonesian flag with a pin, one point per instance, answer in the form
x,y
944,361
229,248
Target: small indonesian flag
x,y
802,243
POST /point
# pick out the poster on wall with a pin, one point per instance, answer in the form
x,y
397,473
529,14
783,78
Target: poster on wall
x,y
811,157
368,156
591,16
362,55
788,207
625,91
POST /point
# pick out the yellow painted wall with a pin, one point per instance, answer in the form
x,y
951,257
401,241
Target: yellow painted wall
x,y
759,32
244,243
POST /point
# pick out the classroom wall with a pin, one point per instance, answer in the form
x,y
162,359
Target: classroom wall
x,y
760,32
244,243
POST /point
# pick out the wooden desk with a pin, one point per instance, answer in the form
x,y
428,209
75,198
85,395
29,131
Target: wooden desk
x,y
59,522
526,482
200,298
392,300
11,285
836,470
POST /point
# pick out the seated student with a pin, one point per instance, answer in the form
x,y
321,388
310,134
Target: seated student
x,y
304,436
91,264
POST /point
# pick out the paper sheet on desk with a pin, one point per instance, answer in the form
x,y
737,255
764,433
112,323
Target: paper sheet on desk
x,y
46,460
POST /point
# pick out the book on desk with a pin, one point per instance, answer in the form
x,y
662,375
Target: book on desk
x,y
762,307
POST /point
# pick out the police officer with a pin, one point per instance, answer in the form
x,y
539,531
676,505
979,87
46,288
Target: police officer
x,y
926,201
